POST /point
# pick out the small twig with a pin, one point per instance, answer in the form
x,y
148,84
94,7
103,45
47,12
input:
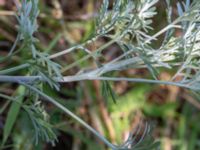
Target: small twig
x,y
191,100
104,113
7,13
66,51
14,45
89,55
7,35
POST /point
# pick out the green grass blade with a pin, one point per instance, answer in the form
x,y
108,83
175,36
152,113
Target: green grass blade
x,y
12,115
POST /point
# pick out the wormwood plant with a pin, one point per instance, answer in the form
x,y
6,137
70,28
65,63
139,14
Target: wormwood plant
x,y
127,24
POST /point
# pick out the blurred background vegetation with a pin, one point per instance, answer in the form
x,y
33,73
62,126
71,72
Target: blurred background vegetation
x,y
172,112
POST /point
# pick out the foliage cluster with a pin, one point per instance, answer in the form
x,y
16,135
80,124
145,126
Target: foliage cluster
x,y
127,24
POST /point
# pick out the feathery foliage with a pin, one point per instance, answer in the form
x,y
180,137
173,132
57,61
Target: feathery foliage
x,y
127,24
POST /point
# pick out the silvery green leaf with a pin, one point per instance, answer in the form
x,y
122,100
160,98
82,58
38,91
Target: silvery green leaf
x,y
187,5
180,10
28,9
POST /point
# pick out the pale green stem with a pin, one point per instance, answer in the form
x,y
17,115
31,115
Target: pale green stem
x,y
14,45
87,76
140,80
66,51
68,112
172,25
89,55
10,98
17,68
17,79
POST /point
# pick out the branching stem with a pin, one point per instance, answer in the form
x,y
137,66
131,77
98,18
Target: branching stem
x,y
68,112
66,79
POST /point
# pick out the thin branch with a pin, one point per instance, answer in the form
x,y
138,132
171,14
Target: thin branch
x,y
16,68
18,79
68,112
191,100
66,51
7,13
89,55
87,76
14,45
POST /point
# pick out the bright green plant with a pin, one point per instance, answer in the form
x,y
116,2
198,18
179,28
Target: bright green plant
x,y
127,24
